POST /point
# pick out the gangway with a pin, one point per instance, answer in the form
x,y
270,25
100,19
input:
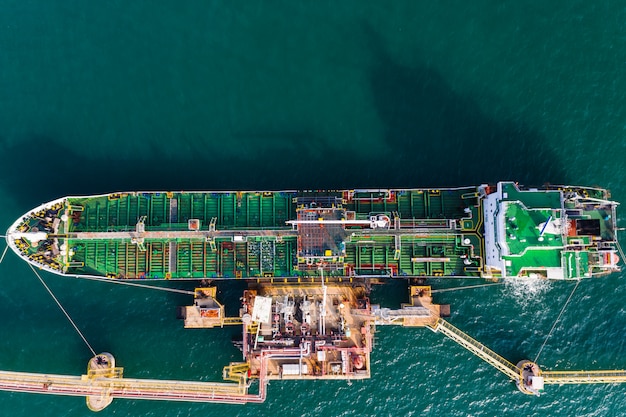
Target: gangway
x,y
519,372
477,348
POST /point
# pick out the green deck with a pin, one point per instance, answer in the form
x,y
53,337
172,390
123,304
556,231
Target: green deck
x,y
223,258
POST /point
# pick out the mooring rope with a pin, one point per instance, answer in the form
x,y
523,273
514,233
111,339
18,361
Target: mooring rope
x,y
63,310
133,284
556,321
4,254
465,288
621,252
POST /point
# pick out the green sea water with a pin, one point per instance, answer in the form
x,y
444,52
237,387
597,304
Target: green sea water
x,y
158,95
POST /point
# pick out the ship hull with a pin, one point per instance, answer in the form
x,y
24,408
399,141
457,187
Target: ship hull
x,y
487,231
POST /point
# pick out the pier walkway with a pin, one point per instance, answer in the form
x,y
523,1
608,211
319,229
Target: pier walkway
x,y
515,373
583,377
84,386
477,348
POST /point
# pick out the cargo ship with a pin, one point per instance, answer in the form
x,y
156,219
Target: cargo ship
x,y
494,231
309,258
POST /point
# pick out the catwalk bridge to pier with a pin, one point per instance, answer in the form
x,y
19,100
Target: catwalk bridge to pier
x,y
113,387
515,373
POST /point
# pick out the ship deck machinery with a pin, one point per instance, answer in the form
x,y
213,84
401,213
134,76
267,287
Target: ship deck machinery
x,y
495,231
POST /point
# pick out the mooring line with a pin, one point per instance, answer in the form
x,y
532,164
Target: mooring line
x,y
4,254
133,284
63,310
556,321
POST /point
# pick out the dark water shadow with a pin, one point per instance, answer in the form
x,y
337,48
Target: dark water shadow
x,y
32,174
442,137
435,136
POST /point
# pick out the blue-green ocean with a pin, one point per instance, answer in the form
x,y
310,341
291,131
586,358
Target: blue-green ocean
x,y
197,94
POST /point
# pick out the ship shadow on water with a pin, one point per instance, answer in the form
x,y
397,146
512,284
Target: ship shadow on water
x,y
31,176
441,137
434,136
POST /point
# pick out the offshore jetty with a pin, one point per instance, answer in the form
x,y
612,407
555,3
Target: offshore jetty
x,y
309,258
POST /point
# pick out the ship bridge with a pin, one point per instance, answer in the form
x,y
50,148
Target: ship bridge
x,y
554,233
